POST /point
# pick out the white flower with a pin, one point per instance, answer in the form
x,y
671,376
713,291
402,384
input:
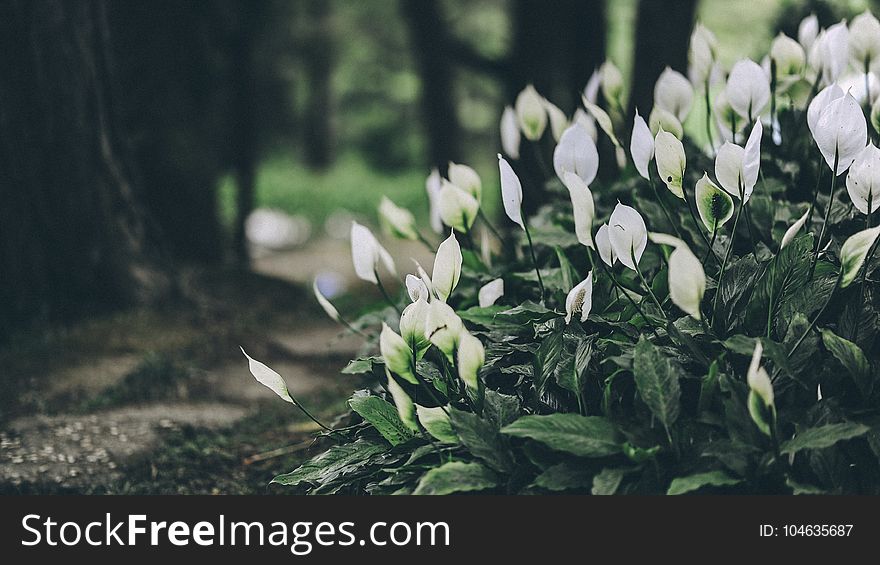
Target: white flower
x,y
580,299
584,208
736,168
660,119
510,134
397,354
674,93
511,192
793,229
447,267
671,162
603,119
853,253
864,42
268,378
808,30
790,60
603,246
443,328
406,410
367,253
821,101
458,208
714,205
490,292
471,356
628,235
416,288
748,89
591,90
701,54
325,304
433,184
687,280
558,120
436,422
863,180
584,119
612,83
875,115
398,222
829,54
841,132
641,146
576,153
412,326
465,178
761,398
530,113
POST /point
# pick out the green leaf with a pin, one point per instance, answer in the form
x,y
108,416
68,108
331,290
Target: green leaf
x,y
383,416
500,409
607,481
656,378
527,313
567,271
564,476
690,483
361,366
547,358
585,436
482,439
436,423
482,316
572,374
852,358
456,476
784,275
824,436
342,460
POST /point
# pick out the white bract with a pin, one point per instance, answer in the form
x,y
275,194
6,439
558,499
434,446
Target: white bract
x,y
603,246
325,304
790,59
864,42
443,328
628,235
863,180
853,253
841,132
687,281
447,267
510,133
490,292
268,378
396,353
436,422
576,153
736,168
580,299
820,102
583,206
793,229
748,89
808,30
511,192
612,83
641,146
398,222
471,356
465,178
530,113
829,54
603,119
433,184
558,120
701,55
367,253
761,399
458,208
674,93
671,161
661,119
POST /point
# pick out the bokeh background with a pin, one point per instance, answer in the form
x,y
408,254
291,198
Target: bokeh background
x,y
174,174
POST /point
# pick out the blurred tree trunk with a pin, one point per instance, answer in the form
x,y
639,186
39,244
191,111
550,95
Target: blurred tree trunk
x,y
662,37
319,55
243,126
73,227
431,44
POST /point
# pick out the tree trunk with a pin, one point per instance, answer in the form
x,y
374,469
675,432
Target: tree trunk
x,y
319,60
662,37
430,43
73,230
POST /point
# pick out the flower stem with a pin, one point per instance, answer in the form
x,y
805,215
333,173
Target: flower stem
x,y
816,319
827,212
635,304
645,282
709,117
489,225
534,260
724,262
385,293
815,195
425,242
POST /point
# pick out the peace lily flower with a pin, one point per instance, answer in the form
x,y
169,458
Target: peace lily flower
x,y
580,299
612,83
736,168
748,89
443,328
726,117
761,400
269,378
603,246
864,42
641,146
471,356
458,208
490,292
628,235
594,83
531,113
584,119
790,59
367,253
674,93
793,229
433,184
808,30
325,304
511,192
510,134
436,422
671,162
412,326
701,54
398,222
829,54
447,267
863,180
853,253
602,118
687,280
714,205
416,288
584,208
841,132
397,354
660,119
465,178
406,410
423,275
820,102
576,153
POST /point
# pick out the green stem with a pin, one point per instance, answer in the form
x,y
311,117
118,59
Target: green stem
x,y
645,282
620,288
385,293
815,194
489,225
816,319
711,243
709,117
425,242
724,262
827,212
534,260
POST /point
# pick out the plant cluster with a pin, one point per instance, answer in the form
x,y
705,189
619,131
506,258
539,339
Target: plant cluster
x,y
706,322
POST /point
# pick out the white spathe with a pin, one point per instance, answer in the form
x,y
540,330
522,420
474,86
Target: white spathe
x,y
863,180
748,89
671,161
583,207
841,132
674,93
511,192
447,267
641,146
576,153
580,299
490,292
367,253
510,133
628,235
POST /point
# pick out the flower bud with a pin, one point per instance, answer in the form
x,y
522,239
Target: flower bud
x,y
761,402
687,280
863,180
398,222
458,208
612,83
511,192
433,184
397,354
558,119
443,328
447,267
641,146
671,162
808,30
471,356
530,113
583,207
465,178
853,253
367,253
510,134
576,153
490,292
701,54
324,303
674,93
793,229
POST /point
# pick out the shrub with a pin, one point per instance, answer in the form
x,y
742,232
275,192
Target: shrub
x,y
705,321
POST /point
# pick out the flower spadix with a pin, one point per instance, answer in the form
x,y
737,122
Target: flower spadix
x,y
714,205
580,299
